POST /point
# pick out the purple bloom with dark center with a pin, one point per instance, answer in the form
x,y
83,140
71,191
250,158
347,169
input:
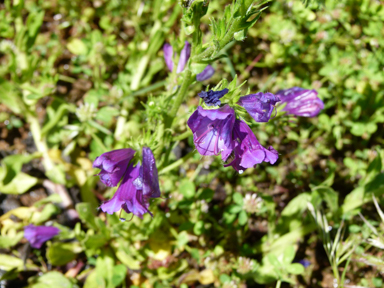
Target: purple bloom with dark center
x,y
211,98
212,130
38,235
259,105
113,165
139,184
301,102
248,151
184,57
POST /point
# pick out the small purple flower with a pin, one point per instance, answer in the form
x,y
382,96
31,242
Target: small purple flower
x,y
212,130
301,102
138,185
168,55
211,98
206,74
113,165
37,235
305,262
184,57
259,105
248,151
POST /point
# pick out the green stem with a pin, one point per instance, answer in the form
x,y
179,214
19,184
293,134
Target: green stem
x,y
40,143
211,49
180,95
278,284
176,163
145,90
182,136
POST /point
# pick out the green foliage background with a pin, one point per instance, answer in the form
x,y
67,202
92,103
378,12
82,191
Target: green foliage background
x,y
79,78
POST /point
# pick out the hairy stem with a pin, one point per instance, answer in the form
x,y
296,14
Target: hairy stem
x,y
180,95
211,49
176,163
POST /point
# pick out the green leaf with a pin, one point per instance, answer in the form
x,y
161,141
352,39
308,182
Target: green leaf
x,y
10,241
288,255
225,278
238,198
297,205
86,214
243,218
59,254
52,279
206,194
48,211
295,268
77,47
13,165
9,262
10,97
93,242
187,188
119,274
374,168
127,260
95,280
274,261
234,209
182,239
19,184
199,227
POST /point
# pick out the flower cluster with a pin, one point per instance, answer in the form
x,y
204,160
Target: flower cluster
x,y
139,183
183,59
217,131
252,203
245,265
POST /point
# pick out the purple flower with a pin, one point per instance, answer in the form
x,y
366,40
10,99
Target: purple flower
x,y
301,102
211,98
37,235
259,105
113,165
184,57
127,196
138,185
305,262
212,130
248,151
148,179
206,74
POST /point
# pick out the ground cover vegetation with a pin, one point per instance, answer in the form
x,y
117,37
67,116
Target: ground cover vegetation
x,y
149,92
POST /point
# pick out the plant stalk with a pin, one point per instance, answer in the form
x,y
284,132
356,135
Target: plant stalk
x,y
176,163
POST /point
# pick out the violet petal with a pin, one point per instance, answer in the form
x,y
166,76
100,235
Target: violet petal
x,y
38,235
248,151
206,74
168,56
113,165
212,130
184,57
301,102
259,105
150,175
